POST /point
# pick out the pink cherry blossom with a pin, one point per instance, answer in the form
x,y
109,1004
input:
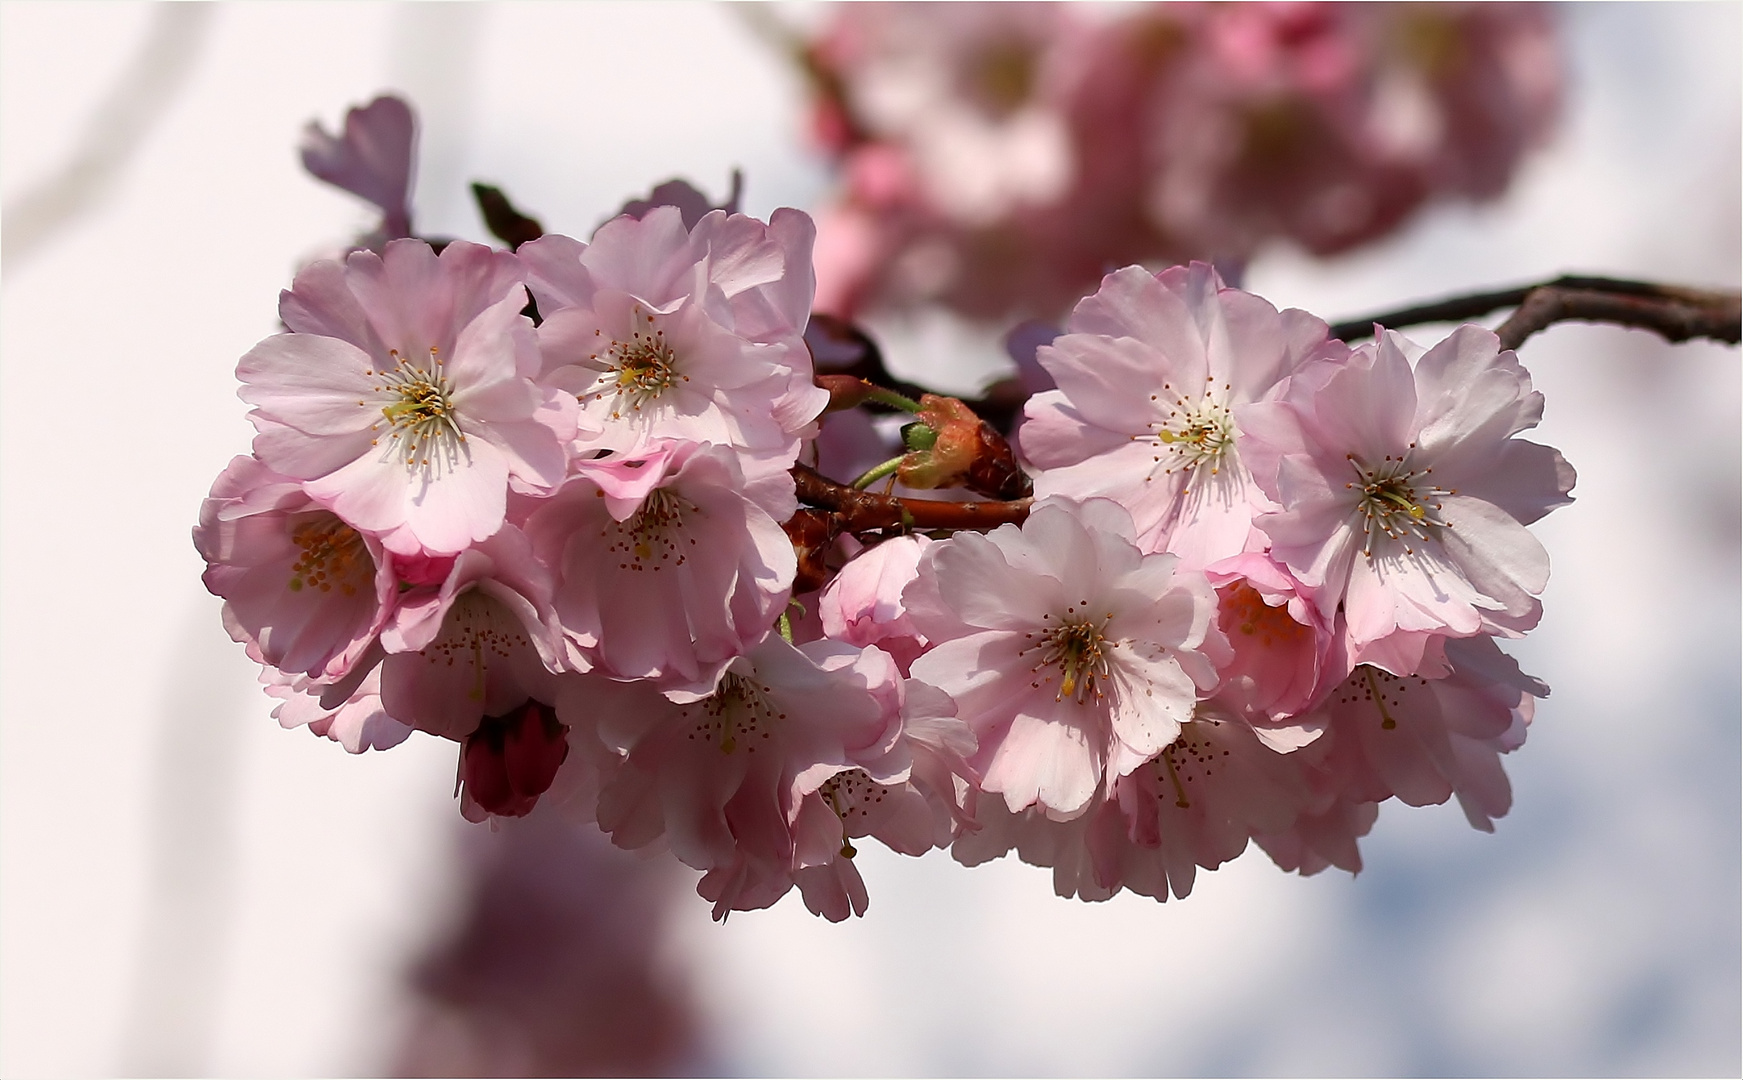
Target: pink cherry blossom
x,y
404,397
660,331
997,158
1150,372
1070,653
479,645
1196,804
1424,740
1284,654
350,714
863,605
306,589
721,777
1404,496
916,806
669,562
1321,839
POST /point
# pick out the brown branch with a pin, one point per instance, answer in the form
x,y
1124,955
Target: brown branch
x,y
864,511
1692,314
1675,312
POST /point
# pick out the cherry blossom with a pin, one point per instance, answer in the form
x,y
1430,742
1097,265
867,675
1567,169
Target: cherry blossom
x,y
662,331
723,777
1284,655
1196,804
998,158
1070,653
350,715
1150,372
863,604
1424,740
1404,497
670,562
479,644
302,586
404,398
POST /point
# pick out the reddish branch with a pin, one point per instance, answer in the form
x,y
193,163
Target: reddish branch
x,y
1674,312
865,511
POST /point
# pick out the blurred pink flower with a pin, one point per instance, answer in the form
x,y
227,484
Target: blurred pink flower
x,y
555,962
373,158
999,158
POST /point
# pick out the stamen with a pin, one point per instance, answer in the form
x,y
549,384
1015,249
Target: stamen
x,y
636,372
657,528
1194,435
737,710
422,421
333,556
1078,648
479,629
1396,502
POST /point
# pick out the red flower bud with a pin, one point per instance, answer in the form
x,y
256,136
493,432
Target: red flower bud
x,y
510,761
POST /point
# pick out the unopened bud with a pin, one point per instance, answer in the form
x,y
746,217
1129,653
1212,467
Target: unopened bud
x,y
952,447
510,761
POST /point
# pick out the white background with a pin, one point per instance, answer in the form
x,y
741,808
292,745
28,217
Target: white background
x,y
185,888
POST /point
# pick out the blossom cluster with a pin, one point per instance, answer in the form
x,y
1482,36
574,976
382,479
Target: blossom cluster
x,y
999,158
542,502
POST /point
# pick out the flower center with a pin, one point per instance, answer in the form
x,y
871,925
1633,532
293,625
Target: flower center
x,y
1185,765
476,629
1242,610
654,537
331,555
1396,502
422,421
737,710
1079,649
636,372
854,796
1192,434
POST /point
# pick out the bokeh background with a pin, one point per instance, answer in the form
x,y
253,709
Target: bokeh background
x,y
186,889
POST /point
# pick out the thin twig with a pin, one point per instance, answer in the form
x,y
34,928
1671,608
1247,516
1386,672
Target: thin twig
x,y
1676,312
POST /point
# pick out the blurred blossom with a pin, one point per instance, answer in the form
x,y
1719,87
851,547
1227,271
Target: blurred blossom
x,y
553,968
999,158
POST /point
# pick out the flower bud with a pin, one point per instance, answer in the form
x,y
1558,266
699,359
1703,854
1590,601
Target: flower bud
x,y
510,760
961,450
